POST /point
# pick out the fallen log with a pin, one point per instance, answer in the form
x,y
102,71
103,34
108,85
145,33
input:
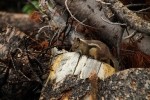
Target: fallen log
x,y
129,17
78,77
69,71
21,21
91,11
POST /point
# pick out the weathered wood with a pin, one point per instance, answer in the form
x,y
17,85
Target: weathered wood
x,y
129,17
72,63
92,12
74,77
130,84
79,68
21,21
107,32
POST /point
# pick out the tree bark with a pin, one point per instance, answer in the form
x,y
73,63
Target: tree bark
x,y
69,71
21,21
80,78
129,17
90,10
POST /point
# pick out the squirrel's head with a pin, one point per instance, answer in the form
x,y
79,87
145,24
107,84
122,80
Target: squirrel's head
x,y
76,44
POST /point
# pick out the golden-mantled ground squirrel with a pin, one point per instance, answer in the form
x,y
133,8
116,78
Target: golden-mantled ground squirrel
x,y
95,49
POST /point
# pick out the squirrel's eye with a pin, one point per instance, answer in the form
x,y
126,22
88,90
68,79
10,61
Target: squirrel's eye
x,y
76,46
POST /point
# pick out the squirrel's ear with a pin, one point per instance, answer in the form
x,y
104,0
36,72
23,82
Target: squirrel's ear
x,y
78,39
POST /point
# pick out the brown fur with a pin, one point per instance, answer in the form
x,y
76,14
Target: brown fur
x,y
95,49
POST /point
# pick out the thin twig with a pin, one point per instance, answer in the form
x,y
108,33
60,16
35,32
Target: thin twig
x,y
47,26
79,24
119,41
29,59
55,35
23,75
148,8
131,39
134,5
112,23
130,36
18,70
68,31
102,2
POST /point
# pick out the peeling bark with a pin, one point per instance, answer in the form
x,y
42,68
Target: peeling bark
x,y
81,78
69,75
